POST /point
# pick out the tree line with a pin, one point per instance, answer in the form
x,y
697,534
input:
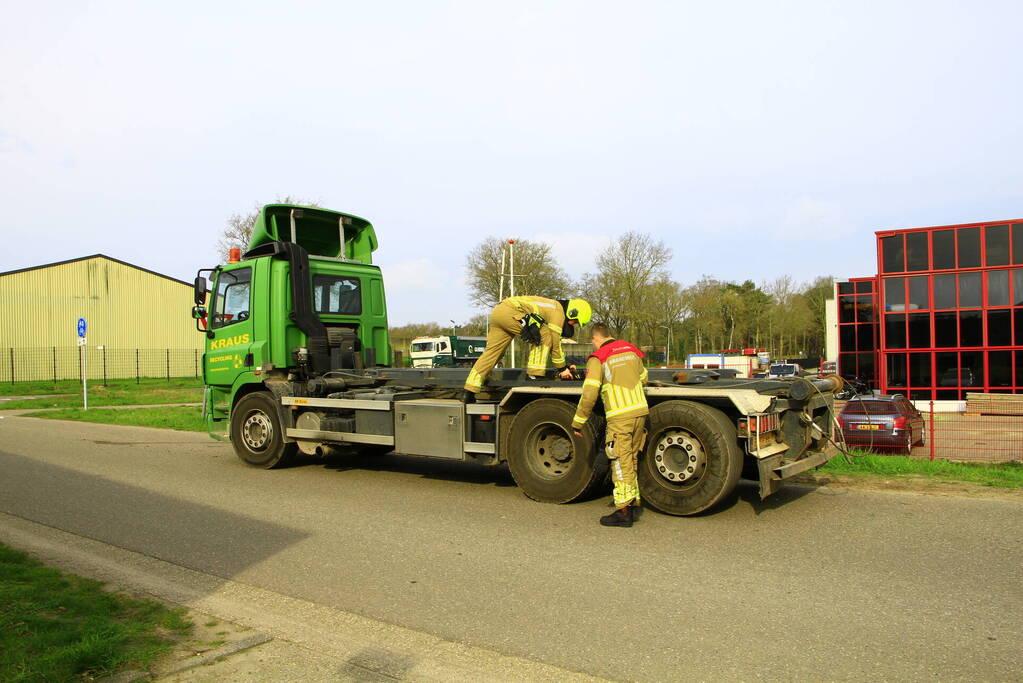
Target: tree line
x,y
631,289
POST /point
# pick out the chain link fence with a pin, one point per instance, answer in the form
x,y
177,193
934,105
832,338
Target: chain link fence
x,y
969,436
53,363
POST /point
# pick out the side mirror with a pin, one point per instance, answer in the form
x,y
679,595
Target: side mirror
x,y
199,315
200,290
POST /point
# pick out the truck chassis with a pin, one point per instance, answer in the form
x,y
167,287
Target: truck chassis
x,y
705,430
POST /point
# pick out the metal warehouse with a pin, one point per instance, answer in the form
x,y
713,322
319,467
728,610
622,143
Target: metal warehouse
x,y
943,315
137,320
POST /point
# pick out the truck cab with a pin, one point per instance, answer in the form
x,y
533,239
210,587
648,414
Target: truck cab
x,y
304,295
430,352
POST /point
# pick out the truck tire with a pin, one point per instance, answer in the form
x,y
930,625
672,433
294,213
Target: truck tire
x,y
547,461
256,432
692,458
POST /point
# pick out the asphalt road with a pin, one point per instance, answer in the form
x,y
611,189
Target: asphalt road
x,y
814,584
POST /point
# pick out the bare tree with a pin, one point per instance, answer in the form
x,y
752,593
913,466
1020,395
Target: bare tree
x,y
475,327
626,271
536,272
238,227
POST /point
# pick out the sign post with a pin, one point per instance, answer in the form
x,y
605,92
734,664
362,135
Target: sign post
x,y
83,352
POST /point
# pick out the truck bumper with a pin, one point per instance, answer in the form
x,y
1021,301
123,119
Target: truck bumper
x,y
773,470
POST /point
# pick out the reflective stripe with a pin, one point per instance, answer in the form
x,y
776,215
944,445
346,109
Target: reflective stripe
x,y
580,420
554,327
626,409
537,358
474,380
625,493
592,382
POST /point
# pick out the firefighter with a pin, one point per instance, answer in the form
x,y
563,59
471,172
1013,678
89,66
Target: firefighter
x,y
542,323
615,374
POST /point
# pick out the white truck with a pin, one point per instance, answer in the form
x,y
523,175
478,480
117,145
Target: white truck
x,y
445,351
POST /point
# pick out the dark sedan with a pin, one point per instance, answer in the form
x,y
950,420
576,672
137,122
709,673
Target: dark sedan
x,y
882,421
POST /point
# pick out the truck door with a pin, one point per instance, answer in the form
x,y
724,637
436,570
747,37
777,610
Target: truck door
x,y
229,349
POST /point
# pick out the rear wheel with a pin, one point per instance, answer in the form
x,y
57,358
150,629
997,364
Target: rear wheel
x,y
548,462
692,458
256,432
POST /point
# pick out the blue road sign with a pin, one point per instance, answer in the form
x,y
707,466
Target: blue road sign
x,y
81,327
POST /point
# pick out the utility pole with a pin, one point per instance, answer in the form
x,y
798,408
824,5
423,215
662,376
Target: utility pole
x,y
511,286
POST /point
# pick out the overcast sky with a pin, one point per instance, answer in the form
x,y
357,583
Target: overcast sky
x,y
755,138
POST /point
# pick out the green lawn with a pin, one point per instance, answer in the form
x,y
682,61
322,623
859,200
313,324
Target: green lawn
x,y
183,418
1002,475
60,627
116,393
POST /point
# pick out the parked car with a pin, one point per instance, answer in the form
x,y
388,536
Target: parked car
x,y
882,421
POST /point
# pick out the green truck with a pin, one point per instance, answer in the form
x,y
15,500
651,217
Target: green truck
x,y
297,360
445,351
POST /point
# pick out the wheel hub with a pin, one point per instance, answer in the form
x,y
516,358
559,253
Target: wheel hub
x,y
257,431
679,457
549,451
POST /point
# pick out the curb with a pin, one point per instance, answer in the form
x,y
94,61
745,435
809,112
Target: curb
x,y
201,659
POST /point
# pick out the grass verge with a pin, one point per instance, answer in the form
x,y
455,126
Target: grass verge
x,y
183,418
1001,475
116,393
60,627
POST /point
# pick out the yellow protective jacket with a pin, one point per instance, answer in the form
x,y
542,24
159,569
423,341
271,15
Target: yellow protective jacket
x,y
553,314
614,373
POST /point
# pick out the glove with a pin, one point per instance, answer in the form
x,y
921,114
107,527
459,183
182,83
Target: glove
x,y
531,329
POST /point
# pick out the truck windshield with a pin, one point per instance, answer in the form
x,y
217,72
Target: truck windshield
x,y
231,300
339,295
422,346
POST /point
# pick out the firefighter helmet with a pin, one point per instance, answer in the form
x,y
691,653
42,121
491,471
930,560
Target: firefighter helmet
x,y
579,309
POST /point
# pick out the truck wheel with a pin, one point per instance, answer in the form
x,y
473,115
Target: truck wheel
x,y
692,458
256,432
547,461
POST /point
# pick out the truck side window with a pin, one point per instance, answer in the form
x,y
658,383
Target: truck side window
x,y
443,346
231,300
337,295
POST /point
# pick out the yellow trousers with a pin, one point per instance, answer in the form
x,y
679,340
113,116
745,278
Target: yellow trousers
x,y
623,440
504,326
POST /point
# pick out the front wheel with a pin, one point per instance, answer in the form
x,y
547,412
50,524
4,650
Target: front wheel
x,y
256,432
548,462
692,459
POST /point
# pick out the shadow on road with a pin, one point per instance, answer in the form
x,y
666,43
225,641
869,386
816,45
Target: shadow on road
x,y
749,492
428,468
197,536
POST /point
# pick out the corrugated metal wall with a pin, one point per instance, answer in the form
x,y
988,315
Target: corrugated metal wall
x,y
125,307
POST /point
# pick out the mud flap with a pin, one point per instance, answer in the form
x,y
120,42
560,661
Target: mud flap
x,y
773,471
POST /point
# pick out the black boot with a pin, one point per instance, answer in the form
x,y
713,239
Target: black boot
x,y
620,517
468,397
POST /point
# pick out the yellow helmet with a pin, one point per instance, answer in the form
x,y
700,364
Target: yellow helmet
x,y
579,309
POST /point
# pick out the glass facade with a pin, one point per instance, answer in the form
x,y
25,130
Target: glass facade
x,y
947,316
858,330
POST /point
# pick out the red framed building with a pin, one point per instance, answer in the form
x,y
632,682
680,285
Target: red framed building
x,y
858,330
944,313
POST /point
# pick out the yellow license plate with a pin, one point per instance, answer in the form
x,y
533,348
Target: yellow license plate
x,y
868,426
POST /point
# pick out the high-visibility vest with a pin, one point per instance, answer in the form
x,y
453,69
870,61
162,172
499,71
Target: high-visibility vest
x,y
616,373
